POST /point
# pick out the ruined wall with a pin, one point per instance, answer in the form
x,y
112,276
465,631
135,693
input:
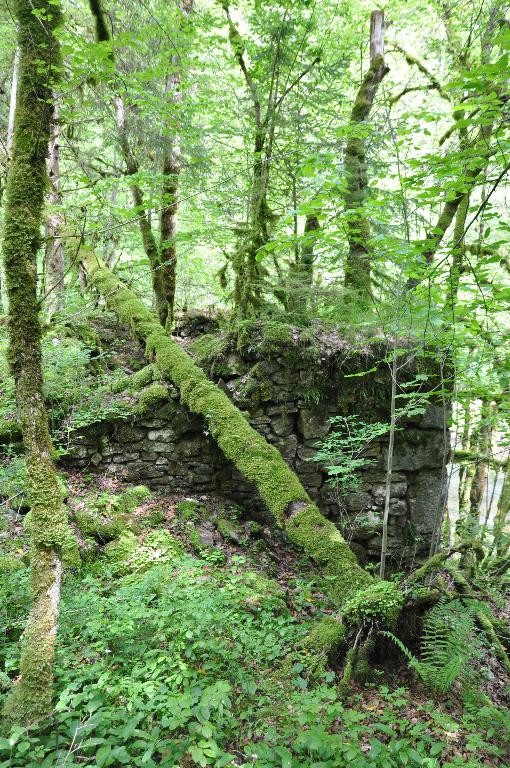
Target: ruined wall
x,y
289,383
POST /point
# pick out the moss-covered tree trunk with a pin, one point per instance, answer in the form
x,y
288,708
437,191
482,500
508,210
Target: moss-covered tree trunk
x,y
298,297
357,267
257,460
26,184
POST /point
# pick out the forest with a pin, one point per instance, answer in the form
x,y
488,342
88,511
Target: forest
x,y
254,383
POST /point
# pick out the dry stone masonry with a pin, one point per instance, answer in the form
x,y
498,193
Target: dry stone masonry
x,y
289,383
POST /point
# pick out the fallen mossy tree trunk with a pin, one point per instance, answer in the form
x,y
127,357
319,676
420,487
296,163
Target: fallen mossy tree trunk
x,y
257,460
366,605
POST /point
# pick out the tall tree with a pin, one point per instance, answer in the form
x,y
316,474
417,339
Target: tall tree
x,y
248,272
161,252
51,538
357,267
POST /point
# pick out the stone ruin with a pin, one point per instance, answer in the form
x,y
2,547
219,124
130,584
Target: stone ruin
x,y
289,383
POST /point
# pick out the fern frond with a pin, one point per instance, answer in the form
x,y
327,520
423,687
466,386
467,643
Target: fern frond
x,y
449,642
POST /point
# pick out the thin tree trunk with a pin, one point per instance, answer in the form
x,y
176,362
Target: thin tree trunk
x,y
12,102
301,271
170,190
150,245
389,465
479,484
464,443
357,266
26,182
501,535
54,256
257,460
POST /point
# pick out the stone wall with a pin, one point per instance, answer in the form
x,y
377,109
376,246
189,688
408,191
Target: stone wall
x,y
289,384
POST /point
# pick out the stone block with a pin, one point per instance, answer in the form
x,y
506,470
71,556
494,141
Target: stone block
x,y
357,502
313,480
149,456
190,448
312,424
434,417
161,435
166,448
126,457
424,496
153,423
282,426
417,449
398,507
78,452
126,433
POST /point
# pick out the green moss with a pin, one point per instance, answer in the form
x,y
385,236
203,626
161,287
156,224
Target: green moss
x,y
107,516
326,635
9,563
132,497
322,541
94,525
121,549
210,352
381,602
157,548
155,518
135,381
152,396
274,336
255,529
231,530
194,539
187,509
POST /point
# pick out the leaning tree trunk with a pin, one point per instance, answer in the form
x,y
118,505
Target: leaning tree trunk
x,y
26,183
257,460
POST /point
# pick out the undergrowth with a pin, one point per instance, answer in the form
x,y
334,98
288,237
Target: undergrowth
x,y
190,663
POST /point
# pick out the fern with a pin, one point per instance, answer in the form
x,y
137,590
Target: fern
x,y
449,643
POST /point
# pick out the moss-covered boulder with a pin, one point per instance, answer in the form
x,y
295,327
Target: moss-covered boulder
x,y
120,551
127,555
108,516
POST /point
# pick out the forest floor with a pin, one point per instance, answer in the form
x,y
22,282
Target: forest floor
x,y
181,644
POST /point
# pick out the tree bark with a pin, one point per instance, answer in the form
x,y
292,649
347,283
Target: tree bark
x,y
170,190
12,101
257,460
50,535
54,256
357,267
501,534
